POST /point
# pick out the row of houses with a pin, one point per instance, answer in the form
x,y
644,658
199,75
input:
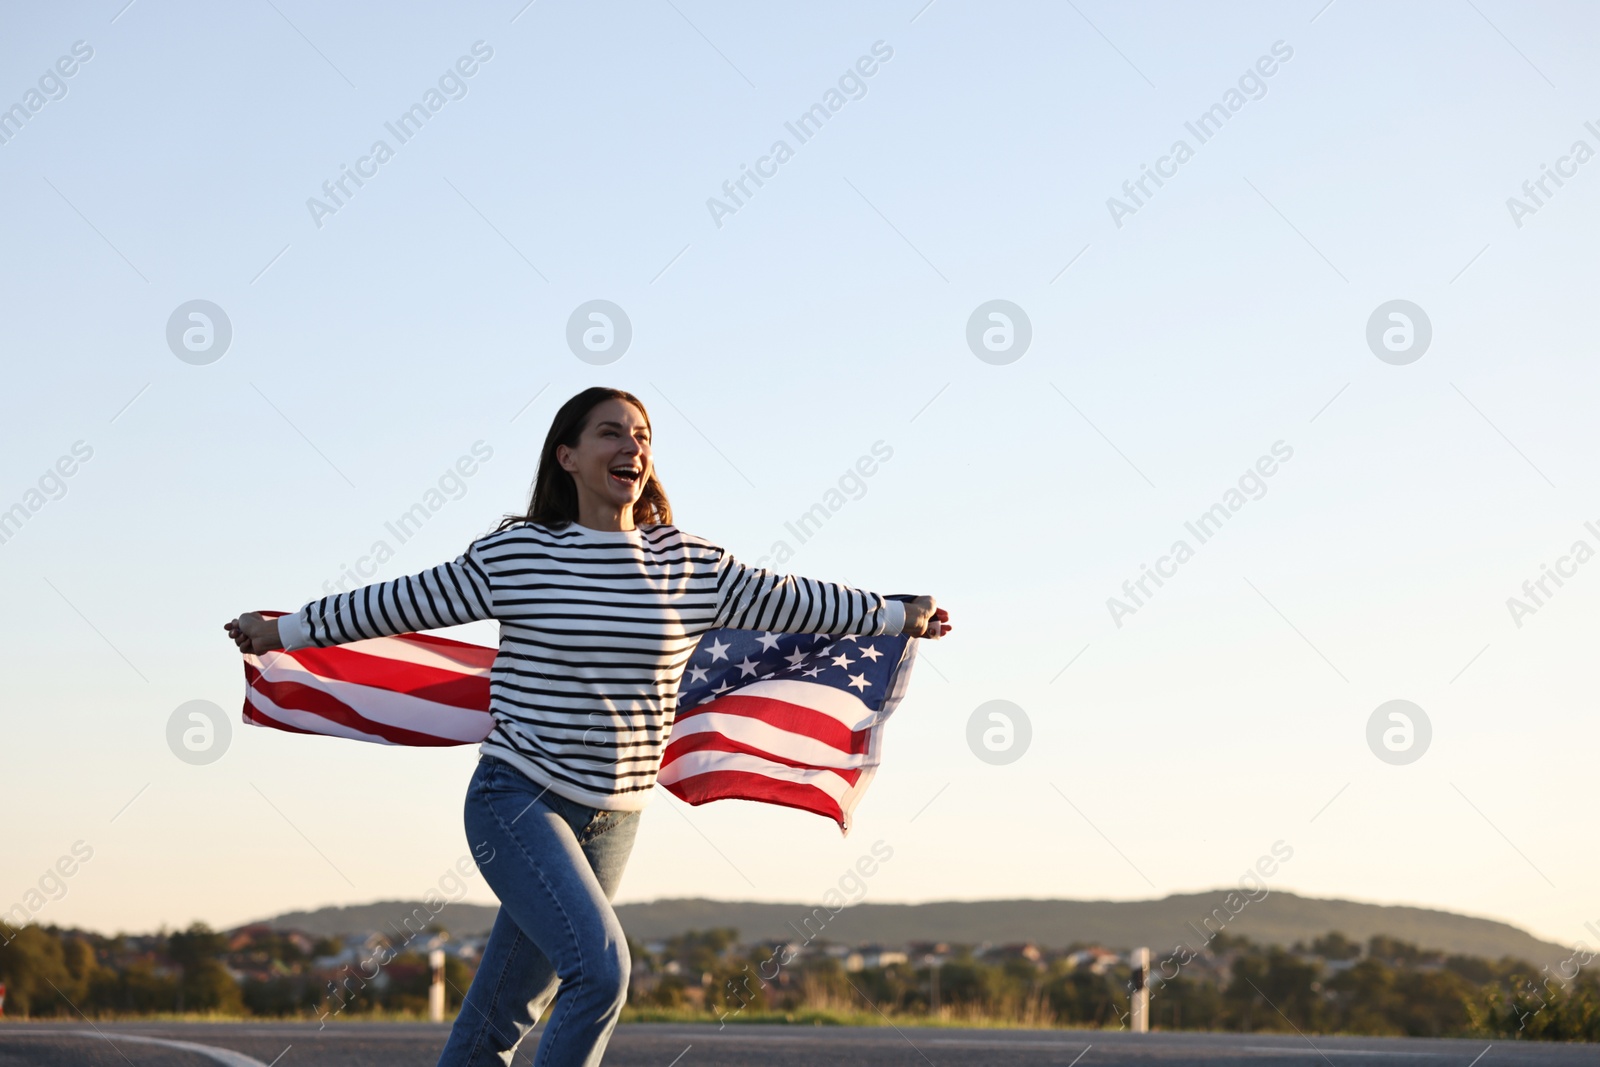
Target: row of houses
x,y
854,958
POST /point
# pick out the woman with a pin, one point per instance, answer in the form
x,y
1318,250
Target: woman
x,y
601,601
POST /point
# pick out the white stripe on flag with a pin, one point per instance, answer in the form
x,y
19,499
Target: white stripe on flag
x,y
309,721
402,651
845,707
694,764
387,706
769,738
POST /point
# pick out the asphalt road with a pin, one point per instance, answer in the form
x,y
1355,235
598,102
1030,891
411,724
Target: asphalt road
x,y
660,1045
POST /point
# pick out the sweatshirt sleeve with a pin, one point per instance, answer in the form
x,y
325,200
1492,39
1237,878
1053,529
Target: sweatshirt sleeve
x,y
752,598
447,595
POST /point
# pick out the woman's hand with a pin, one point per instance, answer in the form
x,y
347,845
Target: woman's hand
x,y
925,619
254,634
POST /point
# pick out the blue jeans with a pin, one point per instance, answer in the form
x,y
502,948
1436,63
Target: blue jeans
x,y
555,866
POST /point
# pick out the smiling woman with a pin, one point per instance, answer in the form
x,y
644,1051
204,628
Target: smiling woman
x,y
601,602
605,455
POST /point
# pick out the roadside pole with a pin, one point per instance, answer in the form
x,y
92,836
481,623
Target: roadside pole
x,y
436,990
1139,993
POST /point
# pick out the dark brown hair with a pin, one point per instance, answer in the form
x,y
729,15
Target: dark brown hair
x,y
555,496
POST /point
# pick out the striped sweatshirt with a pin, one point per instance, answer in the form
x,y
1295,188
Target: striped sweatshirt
x,y
596,627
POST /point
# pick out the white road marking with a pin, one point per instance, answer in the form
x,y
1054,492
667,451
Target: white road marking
x,y
225,1056
1275,1050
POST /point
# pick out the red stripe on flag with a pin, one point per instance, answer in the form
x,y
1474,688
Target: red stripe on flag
x,y
464,653
785,716
713,742
744,785
469,656
304,698
256,716
470,691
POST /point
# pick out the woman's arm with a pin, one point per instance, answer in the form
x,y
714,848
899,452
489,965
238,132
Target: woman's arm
x,y
751,598
447,595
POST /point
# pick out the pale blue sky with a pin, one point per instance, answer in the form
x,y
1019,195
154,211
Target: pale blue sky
x,y
828,313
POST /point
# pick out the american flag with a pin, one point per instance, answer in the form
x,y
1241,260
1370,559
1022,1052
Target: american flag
x,y
789,719
414,689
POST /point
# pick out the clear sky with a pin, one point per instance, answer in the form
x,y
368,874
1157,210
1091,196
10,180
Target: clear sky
x,y
1178,336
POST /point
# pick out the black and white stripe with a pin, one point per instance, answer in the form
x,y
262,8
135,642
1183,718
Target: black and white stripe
x,y
596,627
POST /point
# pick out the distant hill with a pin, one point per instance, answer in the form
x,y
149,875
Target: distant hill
x,y
1282,918
462,920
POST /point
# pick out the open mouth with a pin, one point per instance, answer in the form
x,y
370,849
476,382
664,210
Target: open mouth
x,y
625,475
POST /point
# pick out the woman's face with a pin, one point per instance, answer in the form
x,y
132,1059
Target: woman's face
x,y
617,439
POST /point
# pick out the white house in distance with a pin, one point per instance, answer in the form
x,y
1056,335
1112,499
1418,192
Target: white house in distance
x,y
1096,959
873,956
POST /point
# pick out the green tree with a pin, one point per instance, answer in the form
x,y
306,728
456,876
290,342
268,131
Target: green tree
x,y
206,984
698,951
1274,991
1336,946
1434,1003
1393,951
1080,996
1185,1004
34,967
133,987
1366,1000
1477,971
